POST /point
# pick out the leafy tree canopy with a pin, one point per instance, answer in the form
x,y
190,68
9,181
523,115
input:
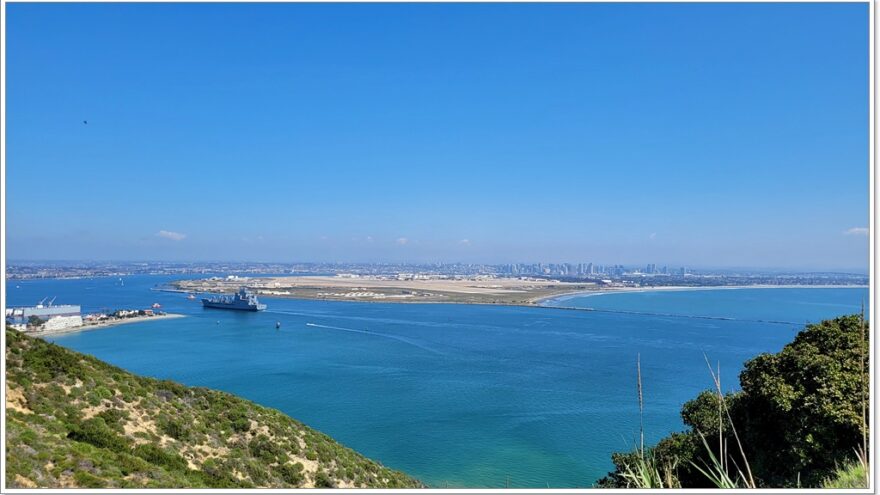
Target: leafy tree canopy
x,y
800,415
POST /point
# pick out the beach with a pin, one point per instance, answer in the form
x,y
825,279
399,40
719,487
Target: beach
x,y
104,324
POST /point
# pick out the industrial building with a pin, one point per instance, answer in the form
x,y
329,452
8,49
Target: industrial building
x,y
54,317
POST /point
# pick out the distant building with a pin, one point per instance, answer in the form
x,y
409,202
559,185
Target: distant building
x,y
53,317
42,312
62,322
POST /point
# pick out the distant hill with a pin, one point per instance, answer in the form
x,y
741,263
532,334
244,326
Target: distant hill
x,y
75,421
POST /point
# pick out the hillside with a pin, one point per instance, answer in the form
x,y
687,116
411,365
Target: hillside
x,y
75,421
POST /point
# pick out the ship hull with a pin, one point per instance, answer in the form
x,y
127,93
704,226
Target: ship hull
x,y
208,304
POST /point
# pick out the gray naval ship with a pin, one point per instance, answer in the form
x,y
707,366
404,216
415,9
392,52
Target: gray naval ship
x,y
243,300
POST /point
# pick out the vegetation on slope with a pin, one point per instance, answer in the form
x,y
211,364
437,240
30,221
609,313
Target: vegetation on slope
x,y
75,421
853,474
800,419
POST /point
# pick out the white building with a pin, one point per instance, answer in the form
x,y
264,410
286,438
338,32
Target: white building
x,y
62,322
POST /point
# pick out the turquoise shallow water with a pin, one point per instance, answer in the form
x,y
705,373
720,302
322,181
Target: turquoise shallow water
x,y
469,396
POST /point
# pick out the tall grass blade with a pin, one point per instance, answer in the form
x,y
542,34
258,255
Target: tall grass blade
x,y
641,406
750,480
863,456
714,471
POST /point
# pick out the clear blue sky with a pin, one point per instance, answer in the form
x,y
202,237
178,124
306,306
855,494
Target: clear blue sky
x,y
705,135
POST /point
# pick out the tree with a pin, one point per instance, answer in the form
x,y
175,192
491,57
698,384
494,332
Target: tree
x,y
34,321
801,413
803,406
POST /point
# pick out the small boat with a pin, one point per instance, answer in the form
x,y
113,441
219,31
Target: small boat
x,y
156,305
191,297
277,324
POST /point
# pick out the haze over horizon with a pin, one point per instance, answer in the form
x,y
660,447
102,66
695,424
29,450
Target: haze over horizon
x,y
633,265
680,134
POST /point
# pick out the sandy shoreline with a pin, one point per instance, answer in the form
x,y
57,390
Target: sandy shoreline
x,y
96,326
540,301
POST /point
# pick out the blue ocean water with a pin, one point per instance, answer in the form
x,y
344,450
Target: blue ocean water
x,y
457,395
801,305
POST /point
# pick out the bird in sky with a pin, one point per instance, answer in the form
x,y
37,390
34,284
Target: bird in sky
x,y
85,121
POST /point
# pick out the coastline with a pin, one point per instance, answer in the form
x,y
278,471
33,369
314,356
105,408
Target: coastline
x,y
525,292
541,301
537,301
106,324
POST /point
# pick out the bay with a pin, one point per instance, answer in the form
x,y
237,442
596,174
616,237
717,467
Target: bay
x,y
457,395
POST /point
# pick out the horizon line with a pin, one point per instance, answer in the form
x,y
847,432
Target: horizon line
x,y
859,271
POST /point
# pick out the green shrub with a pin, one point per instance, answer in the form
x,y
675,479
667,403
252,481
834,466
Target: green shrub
x,y
28,436
174,428
51,361
216,475
292,474
156,455
129,463
323,480
850,476
94,431
103,392
238,420
113,418
88,480
264,449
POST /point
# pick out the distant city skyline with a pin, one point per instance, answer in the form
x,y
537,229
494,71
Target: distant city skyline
x,y
699,135
511,269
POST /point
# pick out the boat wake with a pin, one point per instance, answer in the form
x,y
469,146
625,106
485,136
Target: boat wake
x,y
385,335
289,313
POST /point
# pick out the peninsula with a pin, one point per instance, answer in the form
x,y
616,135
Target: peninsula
x,y
404,289
459,289
103,323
